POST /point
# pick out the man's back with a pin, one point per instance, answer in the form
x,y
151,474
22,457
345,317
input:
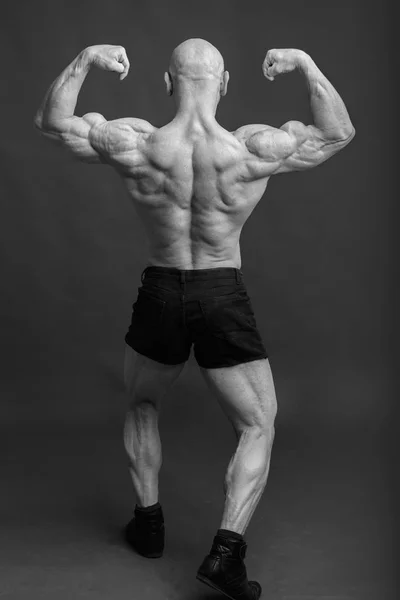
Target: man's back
x,y
192,185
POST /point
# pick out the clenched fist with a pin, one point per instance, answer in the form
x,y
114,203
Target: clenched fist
x,y
109,58
279,61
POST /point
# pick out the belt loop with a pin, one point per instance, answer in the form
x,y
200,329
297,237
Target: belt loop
x,y
237,274
143,275
182,276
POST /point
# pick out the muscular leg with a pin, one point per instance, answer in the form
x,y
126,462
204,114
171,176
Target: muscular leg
x,y
147,382
246,394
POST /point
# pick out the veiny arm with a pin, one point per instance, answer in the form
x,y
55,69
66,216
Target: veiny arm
x,y
55,117
296,146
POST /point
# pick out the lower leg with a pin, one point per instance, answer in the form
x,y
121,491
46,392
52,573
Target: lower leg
x,y
246,477
143,446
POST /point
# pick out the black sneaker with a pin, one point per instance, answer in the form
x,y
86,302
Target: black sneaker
x,y
145,533
224,570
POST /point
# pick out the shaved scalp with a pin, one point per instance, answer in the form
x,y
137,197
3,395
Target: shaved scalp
x,y
196,59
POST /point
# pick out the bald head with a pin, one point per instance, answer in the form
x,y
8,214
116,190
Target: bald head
x,y
196,59
196,76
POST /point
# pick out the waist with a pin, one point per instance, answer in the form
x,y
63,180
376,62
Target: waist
x,y
173,279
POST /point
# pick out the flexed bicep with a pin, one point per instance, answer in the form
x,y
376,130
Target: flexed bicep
x,y
295,146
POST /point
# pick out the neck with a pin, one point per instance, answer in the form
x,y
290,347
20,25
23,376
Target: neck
x,y
196,100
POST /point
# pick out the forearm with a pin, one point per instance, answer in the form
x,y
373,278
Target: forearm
x,y
328,109
60,100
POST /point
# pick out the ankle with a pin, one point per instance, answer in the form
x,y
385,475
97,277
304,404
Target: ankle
x,y
228,533
147,509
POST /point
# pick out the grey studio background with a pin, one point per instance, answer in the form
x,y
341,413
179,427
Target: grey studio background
x,y
317,257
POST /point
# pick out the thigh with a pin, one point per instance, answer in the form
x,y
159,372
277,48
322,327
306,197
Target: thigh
x,y
246,392
147,379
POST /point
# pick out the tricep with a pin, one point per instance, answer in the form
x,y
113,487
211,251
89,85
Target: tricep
x,y
294,147
311,147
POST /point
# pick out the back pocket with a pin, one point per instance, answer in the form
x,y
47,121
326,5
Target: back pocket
x,y
225,315
148,309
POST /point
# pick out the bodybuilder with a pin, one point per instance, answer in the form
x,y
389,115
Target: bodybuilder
x,y
194,185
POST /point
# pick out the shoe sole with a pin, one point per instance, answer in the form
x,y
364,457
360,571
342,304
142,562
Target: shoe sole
x,y
148,555
212,585
133,546
152,555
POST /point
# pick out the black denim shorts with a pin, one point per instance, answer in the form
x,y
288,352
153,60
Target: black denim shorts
x,y
206,308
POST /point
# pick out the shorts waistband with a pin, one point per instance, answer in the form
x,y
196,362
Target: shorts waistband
x,y
186,275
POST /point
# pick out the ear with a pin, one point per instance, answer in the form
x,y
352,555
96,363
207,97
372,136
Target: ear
x,y
168,82
224,83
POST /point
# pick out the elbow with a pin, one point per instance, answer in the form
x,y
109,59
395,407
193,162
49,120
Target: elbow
x,y
42,123
342,137
38,121
347,134
40,126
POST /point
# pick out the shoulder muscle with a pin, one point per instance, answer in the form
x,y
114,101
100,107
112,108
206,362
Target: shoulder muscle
x,y
266,143
120,135
271,144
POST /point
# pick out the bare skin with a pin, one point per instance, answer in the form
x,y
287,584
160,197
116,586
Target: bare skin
x,y
194,185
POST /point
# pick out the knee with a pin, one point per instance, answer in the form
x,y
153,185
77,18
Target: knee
x,y
137,392
264,420
142,400
142,403
271,410
260,422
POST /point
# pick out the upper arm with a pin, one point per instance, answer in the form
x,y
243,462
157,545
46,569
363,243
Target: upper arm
x,y
293,147
117,141
93,139
74,134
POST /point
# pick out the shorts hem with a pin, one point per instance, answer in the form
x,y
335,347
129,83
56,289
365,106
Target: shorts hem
x,y
176,362
234,364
